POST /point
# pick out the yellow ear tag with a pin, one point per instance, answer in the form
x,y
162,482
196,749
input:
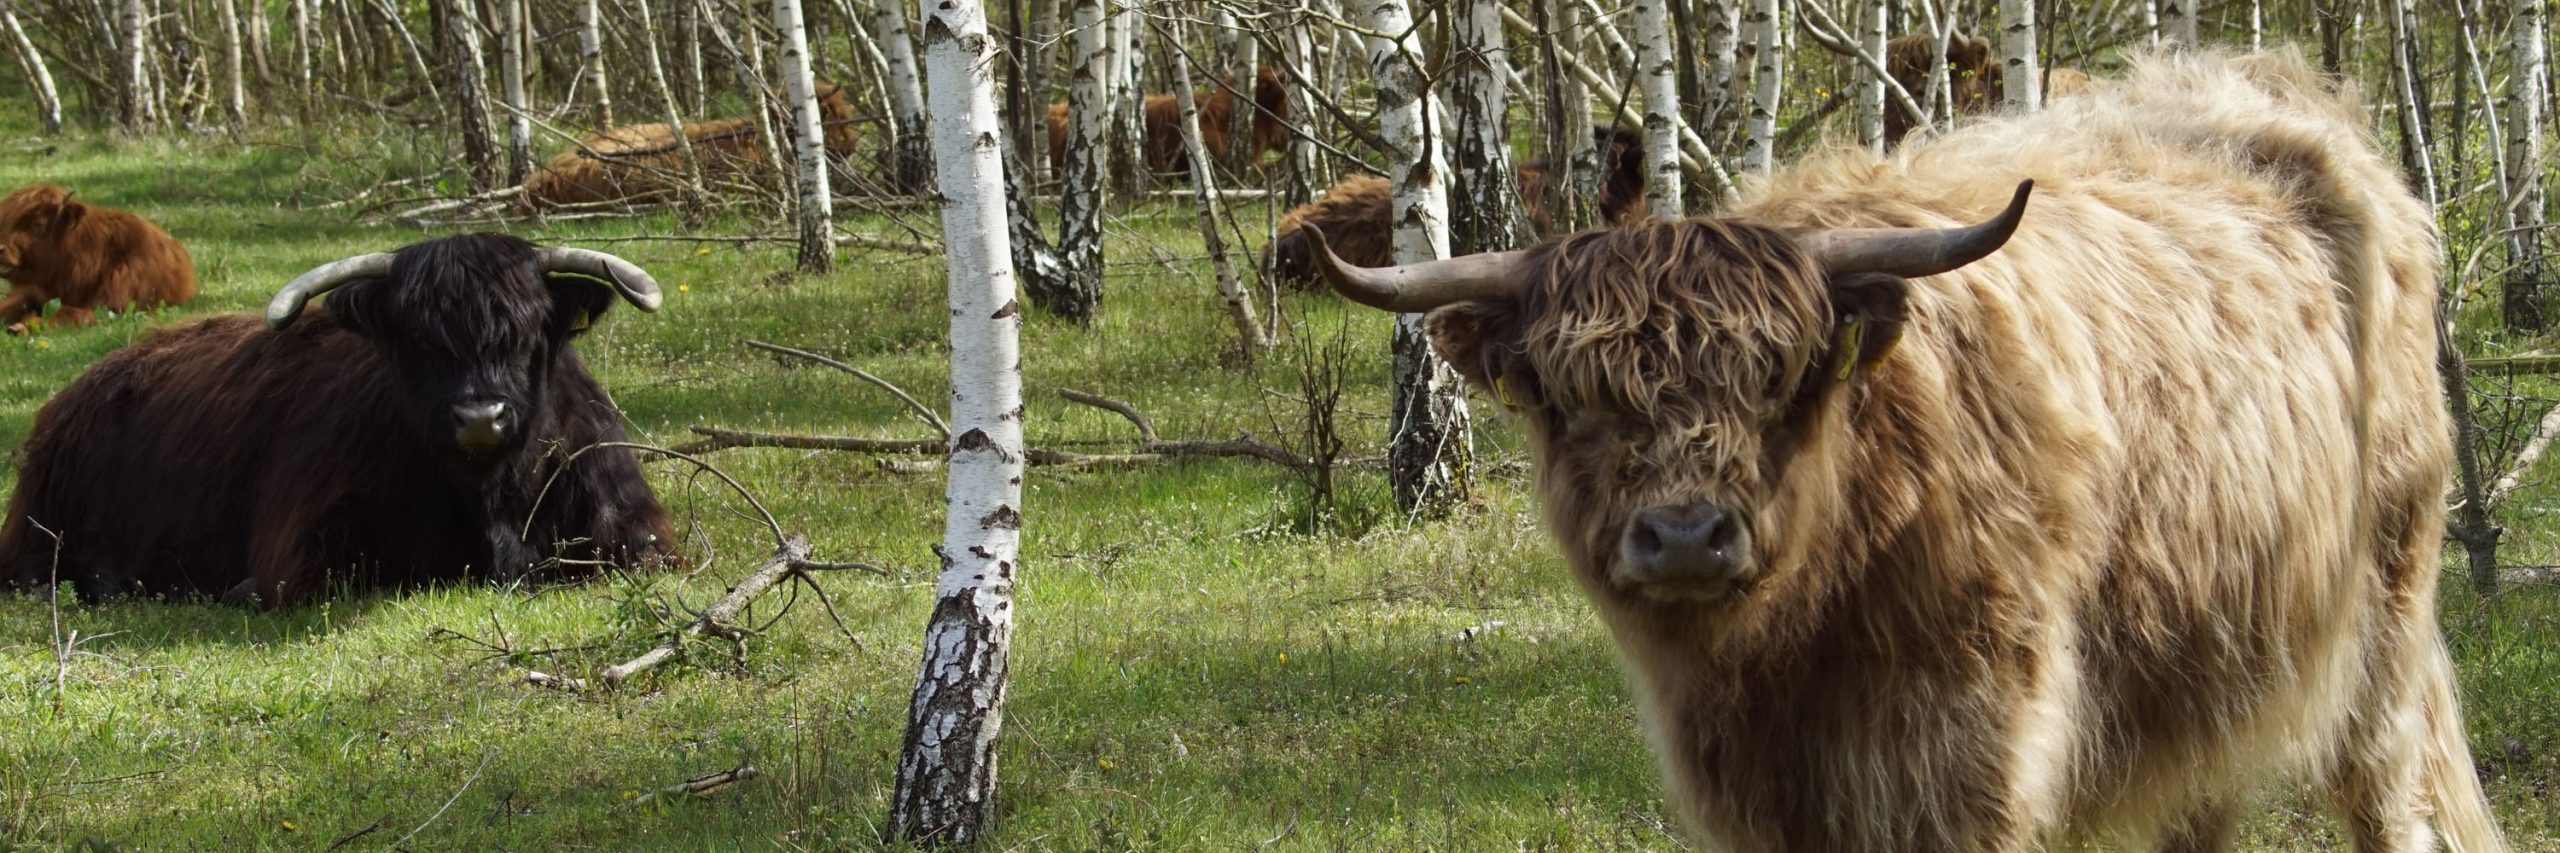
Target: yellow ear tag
x,y
1502,392
584,320
1848,348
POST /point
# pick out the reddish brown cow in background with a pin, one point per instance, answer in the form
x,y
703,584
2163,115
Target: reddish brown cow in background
x,y
1165,152
641,162
1974,77
1355,212
2145,510
53,246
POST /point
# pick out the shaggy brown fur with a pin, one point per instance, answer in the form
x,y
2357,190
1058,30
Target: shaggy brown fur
x,y
225,457
1974,77
53,246
1165,151
641,162
1354,212
2094,553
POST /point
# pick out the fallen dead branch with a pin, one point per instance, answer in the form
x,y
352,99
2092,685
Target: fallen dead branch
x,y
1151,447
789,562
721,618
699,786
417,213
922,413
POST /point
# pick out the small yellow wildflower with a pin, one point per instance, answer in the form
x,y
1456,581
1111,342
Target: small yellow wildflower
x,y
700,252
43,344
629,795
1463,680
684,288
1284,657
1104,763
288,825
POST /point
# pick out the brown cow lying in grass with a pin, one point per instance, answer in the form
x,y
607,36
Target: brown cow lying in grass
x,y
53,246
1354,212
2144,511
1165,152
640,162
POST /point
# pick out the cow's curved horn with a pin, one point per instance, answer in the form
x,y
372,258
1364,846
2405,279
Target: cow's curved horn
x,y
1420,286
627,278
321,279
1915,252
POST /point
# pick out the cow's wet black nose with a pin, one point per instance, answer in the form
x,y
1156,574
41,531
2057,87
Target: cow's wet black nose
x,y
480,424
1688,544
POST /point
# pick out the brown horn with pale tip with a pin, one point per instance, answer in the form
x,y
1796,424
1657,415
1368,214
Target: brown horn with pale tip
x,y
1422,286
627,278
1914,252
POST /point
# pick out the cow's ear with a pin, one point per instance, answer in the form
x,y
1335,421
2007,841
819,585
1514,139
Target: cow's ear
x,y
1480,338
577,302
1867,311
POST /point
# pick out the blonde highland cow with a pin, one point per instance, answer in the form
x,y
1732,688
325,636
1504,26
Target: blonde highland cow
x,y
2141,514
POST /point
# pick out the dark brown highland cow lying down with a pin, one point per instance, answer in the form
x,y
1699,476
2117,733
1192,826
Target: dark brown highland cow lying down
x,y
2144,511
53,246
400,433
1165,151
641,162
1354,212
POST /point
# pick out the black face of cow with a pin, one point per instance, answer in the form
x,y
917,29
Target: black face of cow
x,y
1673,374
471,330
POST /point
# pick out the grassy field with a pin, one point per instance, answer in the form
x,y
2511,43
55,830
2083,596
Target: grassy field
x,y
1197,666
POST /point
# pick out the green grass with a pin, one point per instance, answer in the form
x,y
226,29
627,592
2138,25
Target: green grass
x,y
1191,672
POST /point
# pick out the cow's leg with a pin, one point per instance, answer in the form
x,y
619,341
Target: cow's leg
x,y
2207,828
2377,780
15,308
69,316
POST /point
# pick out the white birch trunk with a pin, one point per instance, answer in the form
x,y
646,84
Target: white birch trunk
x,y
2525,168
667,101
1129,167
2022,85
1306,170
1487,217
235,93
2177,21
1872,83
260,65
134,53
1428,444
909,154
2257,25
462,48
1244,59
946,789
1077,291
2412,119
696,69
1723,52
1658,74
1768,63
31,63
1204,193
300,10
808,140
591,59
1576,190
511,72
